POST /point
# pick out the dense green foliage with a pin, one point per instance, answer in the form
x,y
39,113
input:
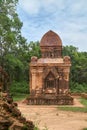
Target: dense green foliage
x,y
13,46
84,102
16,53
76,109
78,76
16,87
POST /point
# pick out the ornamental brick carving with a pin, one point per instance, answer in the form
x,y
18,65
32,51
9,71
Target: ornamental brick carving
x,y
34,59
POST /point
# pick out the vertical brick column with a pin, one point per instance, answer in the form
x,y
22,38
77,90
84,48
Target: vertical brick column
x,y
33,86
66,78
40,84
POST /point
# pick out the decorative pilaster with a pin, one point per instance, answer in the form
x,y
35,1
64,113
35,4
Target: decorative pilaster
x,y
40,78
33,74
66,79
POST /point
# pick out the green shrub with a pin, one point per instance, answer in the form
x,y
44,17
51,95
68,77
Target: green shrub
x,y
19,87
25,127
19,90
83,101
78,88
36,128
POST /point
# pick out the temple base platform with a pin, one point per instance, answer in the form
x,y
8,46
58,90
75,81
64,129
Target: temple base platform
x,y
50,100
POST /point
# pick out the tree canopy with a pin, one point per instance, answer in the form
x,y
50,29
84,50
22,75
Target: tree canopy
x,y
13,46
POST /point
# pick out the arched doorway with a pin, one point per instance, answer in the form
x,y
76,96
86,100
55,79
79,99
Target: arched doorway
x,y
51,83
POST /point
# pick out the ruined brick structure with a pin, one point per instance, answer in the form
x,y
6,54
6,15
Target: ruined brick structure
x,y
49,75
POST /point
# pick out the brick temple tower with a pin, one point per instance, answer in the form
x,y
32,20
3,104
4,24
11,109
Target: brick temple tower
x,y
49,75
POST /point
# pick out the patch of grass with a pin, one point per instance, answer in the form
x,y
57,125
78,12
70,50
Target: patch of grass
x,y
84,129
84,101
74,109
36,128
45,128
19,96
25,127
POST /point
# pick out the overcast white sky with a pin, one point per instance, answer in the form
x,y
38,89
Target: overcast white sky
x,y
68,18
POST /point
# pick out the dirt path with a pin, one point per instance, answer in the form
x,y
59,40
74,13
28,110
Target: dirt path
x,y
52,118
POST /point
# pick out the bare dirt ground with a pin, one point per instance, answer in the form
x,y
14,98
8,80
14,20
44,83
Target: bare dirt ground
x,y
53,119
